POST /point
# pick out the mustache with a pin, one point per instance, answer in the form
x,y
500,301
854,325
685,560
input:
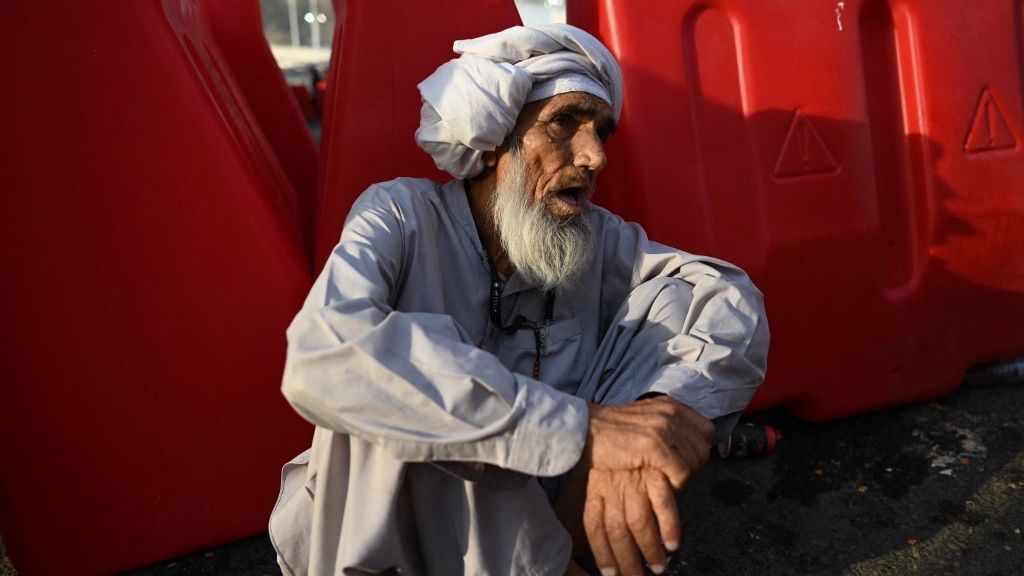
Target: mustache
x,y
584,181
581,187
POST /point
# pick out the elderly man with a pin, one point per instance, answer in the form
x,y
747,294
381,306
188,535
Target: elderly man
x,y
503,376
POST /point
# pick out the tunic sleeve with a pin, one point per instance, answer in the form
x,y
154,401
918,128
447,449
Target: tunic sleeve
x,y
414,383
718,360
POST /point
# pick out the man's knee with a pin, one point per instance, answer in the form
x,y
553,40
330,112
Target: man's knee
x,y
669,302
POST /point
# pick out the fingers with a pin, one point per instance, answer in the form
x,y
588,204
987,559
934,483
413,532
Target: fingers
x,y
688,443
673,457
703,433
627,516
675,469
666,510
643,526
692,449
638,455
702,425
693,435
593,524
619,537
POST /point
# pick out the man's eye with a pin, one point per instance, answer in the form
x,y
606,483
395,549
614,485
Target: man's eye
x,y
561,126
563,121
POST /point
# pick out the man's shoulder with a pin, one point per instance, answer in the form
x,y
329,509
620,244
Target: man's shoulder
x,y
403,190
409,202
403,198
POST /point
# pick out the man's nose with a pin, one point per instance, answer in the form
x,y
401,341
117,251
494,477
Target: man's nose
x,y
589,151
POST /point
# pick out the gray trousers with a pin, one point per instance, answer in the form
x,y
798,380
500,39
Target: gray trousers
x,y
447,518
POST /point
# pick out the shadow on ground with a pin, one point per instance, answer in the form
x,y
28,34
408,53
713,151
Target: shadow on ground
x,y
934,488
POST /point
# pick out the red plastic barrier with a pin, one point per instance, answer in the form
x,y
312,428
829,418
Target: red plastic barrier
x,y
382,49
861,159
151,259
237,29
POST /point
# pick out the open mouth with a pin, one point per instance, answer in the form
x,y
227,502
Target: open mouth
x,y
572,197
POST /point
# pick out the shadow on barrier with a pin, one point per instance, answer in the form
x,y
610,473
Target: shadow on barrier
x,y
888,271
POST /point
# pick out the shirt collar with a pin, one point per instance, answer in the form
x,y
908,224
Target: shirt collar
x,y
453,193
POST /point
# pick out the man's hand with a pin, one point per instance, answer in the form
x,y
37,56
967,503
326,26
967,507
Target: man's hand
x,y
656,433
637,455
626,511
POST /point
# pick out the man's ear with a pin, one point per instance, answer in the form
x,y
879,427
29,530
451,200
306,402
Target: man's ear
x,y
490,159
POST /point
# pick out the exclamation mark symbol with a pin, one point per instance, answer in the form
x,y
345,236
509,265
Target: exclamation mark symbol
x,y
989,129
803,151
990,122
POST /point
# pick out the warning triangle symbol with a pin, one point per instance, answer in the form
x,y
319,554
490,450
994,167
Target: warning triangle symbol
x,y
989,128
803,151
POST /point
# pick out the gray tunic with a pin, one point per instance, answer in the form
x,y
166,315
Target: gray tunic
x,y
394,359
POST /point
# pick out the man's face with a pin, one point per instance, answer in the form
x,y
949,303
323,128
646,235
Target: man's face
x,y
563,148
543,185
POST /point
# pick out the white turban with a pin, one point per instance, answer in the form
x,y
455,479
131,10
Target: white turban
x,y
470,104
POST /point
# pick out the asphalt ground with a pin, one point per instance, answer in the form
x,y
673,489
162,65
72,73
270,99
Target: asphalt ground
x,y
931,488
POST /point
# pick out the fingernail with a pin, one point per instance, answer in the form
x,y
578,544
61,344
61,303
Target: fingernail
x,y
657,568
671,545
608,572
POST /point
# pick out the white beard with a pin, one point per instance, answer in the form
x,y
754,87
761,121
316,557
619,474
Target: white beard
x,y
544,248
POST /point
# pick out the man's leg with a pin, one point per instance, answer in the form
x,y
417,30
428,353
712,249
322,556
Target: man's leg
x,y
470,526
626,360
632,349
348,507
490,526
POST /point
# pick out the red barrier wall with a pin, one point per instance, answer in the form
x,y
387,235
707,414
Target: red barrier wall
x,y
373,107
237,29
861,161
151,258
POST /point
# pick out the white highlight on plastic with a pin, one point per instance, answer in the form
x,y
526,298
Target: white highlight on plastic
x,y
840,6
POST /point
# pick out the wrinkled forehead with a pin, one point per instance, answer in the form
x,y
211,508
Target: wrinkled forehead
x,y
582,105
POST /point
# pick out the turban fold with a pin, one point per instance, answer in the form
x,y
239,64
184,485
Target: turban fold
x,y
470,104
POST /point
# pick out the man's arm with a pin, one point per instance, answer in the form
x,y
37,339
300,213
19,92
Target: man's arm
x,y
414,383
711,368
718,359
